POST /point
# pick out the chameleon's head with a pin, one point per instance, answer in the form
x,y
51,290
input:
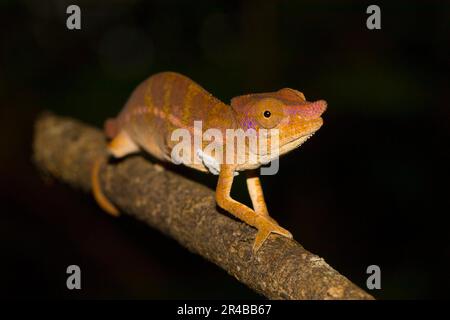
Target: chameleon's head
x,y
285,110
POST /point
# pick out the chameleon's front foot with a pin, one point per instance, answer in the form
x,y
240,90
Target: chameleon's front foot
x,y
266,226
258,218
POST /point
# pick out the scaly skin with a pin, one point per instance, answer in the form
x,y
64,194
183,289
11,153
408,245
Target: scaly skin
x,y
168,101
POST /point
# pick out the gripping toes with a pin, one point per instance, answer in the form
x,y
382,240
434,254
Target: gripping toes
x,y
265,228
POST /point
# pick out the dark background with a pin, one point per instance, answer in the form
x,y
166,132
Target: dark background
x,y
369,188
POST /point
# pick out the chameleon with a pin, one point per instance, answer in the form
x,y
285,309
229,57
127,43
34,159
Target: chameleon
x,y
168,101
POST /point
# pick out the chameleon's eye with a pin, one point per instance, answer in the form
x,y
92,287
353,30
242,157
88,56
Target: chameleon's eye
x,y
269,112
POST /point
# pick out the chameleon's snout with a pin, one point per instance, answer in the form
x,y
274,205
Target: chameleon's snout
x,y
313,110
319,107
309,110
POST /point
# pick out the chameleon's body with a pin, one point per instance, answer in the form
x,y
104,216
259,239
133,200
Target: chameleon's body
x,y
168,101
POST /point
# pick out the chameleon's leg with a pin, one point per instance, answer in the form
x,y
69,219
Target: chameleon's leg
x,y
264,224
122,145
256,193
119,147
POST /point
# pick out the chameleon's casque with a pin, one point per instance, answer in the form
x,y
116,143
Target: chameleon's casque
x,y
168,101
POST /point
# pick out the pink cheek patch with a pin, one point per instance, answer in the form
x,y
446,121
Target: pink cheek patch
x,y
248,124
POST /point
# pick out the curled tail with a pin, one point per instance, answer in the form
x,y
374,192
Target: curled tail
x,y
99,196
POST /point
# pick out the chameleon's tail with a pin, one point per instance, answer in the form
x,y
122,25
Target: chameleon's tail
x,y
101,199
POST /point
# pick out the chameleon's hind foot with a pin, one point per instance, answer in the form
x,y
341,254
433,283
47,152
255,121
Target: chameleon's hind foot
x,y
120,146
266,226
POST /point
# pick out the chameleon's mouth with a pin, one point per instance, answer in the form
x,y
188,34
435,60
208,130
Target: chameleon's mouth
x,y
295,143
312,127
283,145
286,147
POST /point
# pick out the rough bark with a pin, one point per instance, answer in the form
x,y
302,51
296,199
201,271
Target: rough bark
x,y
186,211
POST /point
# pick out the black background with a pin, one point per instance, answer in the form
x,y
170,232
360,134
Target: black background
x,y
369,188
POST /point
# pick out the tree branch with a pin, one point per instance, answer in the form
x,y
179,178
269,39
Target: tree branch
x,y
186,211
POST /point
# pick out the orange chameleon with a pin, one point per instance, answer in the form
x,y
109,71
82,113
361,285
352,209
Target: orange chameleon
x,y
168,101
